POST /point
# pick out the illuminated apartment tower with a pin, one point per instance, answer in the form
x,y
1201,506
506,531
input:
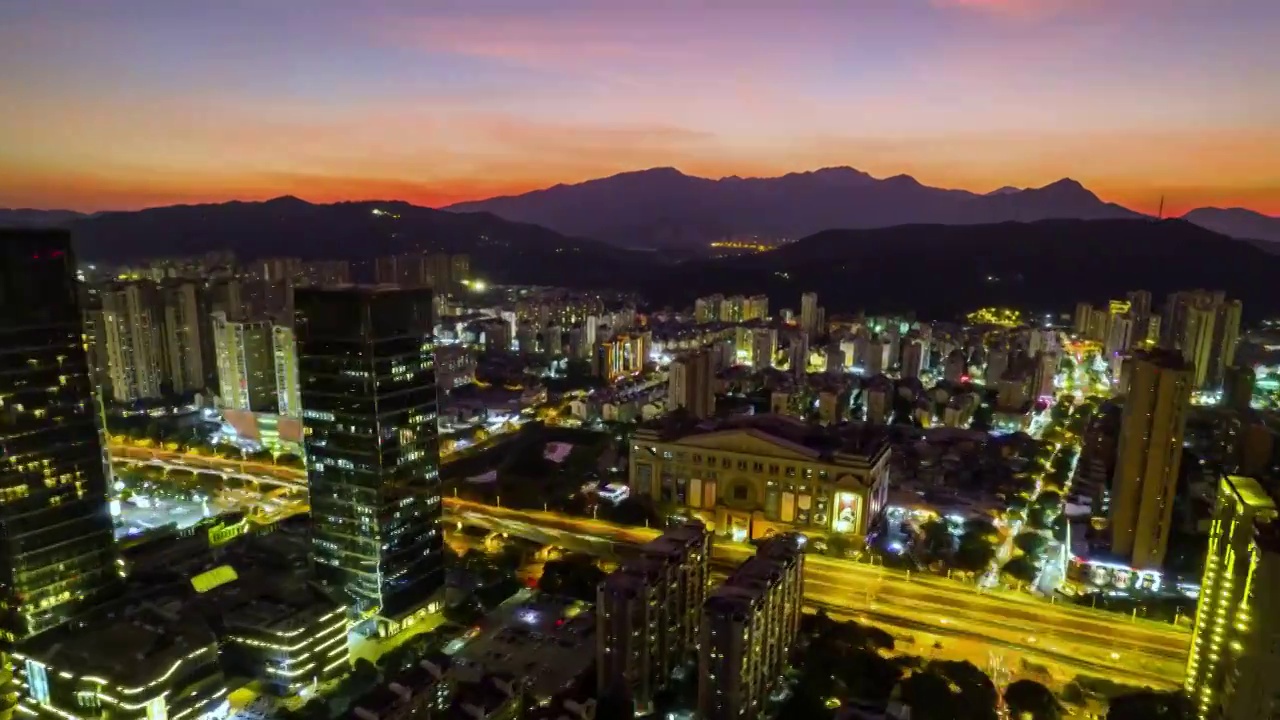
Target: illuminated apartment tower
x,y
286,359
366,362
246,364
809,313
647,614
131,328
57,557
748,627
764,345
181,328
1158,396
1205,327
1233,670
692,383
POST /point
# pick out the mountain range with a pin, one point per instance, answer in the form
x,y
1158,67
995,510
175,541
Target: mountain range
x,y
938,271
943,271
664,208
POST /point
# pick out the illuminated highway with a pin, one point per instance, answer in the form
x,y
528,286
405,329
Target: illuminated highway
x,y
1085,640
1139,652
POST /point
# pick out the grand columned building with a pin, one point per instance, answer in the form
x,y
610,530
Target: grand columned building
x,y
758,475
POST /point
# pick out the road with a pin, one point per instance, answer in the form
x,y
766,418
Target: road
x,y
1140,652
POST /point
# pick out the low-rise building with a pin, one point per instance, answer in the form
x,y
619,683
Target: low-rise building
x,y
749,476
423,692
149,662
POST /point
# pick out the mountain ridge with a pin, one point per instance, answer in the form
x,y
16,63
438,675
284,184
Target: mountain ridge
x,y
664,207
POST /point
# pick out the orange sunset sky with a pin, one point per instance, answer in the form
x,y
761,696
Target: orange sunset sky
x,y
134,103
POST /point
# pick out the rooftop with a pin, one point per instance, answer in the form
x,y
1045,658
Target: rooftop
x,y
1167,359
548,643
130,651
1251,493
819,442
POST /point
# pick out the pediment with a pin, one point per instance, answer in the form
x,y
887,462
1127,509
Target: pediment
x,y
750,442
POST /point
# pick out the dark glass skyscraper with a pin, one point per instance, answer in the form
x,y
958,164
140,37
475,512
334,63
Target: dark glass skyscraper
x,y
367,377
57,550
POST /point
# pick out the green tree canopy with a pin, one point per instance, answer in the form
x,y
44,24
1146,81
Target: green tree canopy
x,y
1031,700
1032,543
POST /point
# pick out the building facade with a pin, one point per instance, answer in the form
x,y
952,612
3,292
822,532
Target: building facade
x,y
134,351
246,361
748,627
1233,669
366,366
747,477
1149,456
285,352
59,547
647,615
691,384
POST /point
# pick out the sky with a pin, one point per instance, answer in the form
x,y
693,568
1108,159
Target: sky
x,y
136,103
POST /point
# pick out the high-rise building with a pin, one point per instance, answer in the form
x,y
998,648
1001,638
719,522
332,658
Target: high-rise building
x,y
647,614
284,350
1205,327
915,353
408,270
133,345
1157,397
1237,387
1119,336
1233,669
58,555
1083,319
764,345
182,329
748,627
798,354
809,313
707,309
756,308
692,384
246,361
1139,303
370,404
1226,335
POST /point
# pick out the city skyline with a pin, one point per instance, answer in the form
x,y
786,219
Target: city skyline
x,y
147,103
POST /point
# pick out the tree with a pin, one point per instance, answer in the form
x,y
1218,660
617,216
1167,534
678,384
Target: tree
x,y
1037,518
1060,528
1021,569
1032,543
1148,705
979,526
1049,500
575,576
975,553
929,696
936,538
1031,700
978,695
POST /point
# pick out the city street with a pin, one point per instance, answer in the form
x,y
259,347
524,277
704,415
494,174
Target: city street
x,y
1072,637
